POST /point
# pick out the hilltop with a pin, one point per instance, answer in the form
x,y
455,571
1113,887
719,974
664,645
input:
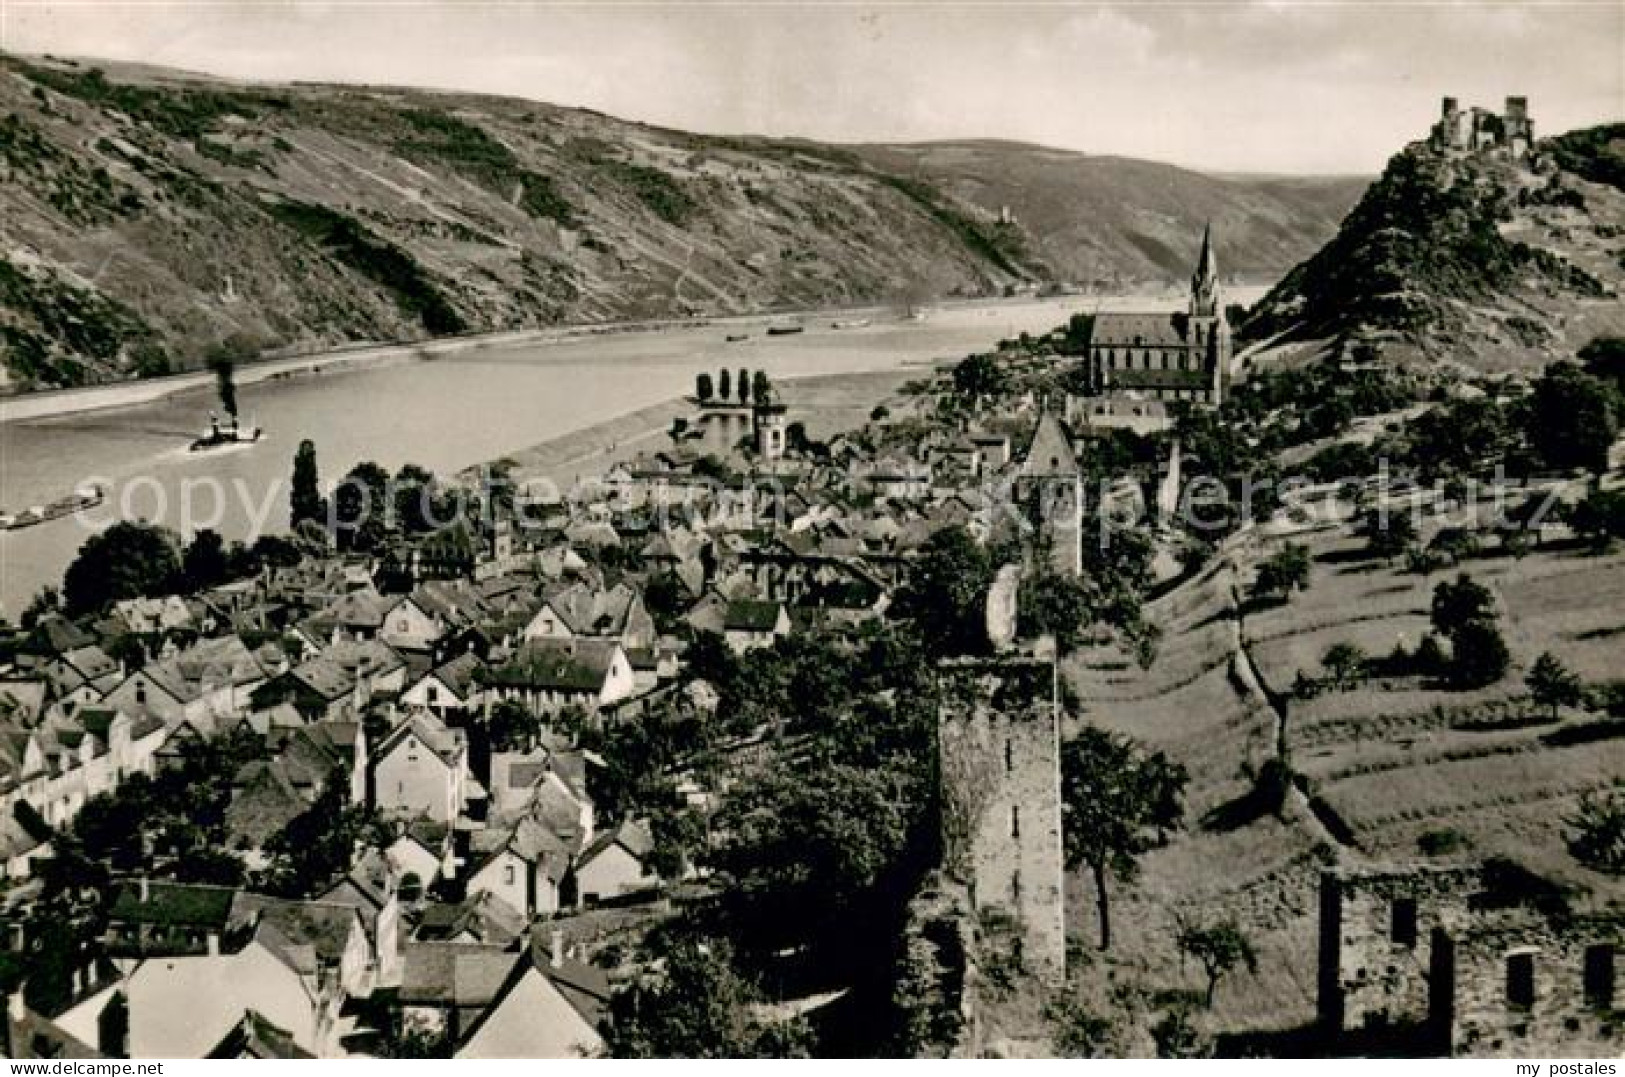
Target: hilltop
x,y
155,219
1104,221
1485,261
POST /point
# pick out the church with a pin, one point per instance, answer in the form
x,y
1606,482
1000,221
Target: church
x,y
1183,355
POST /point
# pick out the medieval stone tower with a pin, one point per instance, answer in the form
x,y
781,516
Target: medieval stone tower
x,y
1049,489
1000,750
768,418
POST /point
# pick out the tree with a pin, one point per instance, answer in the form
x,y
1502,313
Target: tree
x,y
415,510
725,385
801,853
1478,655
47,601
1552,684
1598,837
1572,419
1461,602
305,497
944,591
1599,518
512,727
1387,532
703,389
1456,544
317,846
128,560
693,1004
1118,802
361,506
1604,358
1344,663
1055,604
761,389
744,385
1285,571
204,564
1220,948
980,376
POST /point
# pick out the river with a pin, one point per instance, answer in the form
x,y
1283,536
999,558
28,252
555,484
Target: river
x,y
466,406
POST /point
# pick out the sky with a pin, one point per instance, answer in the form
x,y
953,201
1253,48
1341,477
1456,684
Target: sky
x,y
1288,87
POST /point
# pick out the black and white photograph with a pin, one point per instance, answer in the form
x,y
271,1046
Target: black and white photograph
x,y
915,529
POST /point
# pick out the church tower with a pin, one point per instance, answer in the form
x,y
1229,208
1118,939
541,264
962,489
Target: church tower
x,y
1205,281
1210,332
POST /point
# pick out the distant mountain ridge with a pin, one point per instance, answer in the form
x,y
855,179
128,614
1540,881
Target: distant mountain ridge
x,y
1102,221
1477,259
156,219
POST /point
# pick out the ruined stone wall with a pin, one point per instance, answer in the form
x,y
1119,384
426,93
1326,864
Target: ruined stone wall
x,y
1376,956
1000,746
1561,1019
1427,953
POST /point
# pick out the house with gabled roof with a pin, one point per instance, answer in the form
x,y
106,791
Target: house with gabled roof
x,y
451,689
550,675
447,986
423,849
210,681
422,771
83,675
371,888
549,1006
749,623
578,610
616,864
155,917
185,1007
523,865
255,1037
481,918
324,941
354,615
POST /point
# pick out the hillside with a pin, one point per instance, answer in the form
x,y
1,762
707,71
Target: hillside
x,y
1105,221
154,219
1475,259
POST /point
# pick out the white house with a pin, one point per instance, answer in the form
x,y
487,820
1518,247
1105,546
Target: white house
x,y
751,623
616,864
422,770
451,689
549,675
523,866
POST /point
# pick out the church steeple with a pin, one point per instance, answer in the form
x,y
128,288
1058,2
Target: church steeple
x,y
1205,281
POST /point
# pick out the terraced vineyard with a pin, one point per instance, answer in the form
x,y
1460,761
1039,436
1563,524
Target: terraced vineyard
x,y
1400,769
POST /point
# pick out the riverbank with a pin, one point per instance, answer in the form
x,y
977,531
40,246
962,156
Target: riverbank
x,y
825,403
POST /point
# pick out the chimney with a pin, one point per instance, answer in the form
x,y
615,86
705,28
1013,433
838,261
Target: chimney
x,y
558,948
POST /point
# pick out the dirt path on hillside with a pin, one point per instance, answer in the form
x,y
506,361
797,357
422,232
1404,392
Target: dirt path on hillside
x,y
1257,690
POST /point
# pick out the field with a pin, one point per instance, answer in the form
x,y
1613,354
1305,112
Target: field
x,y
1387,770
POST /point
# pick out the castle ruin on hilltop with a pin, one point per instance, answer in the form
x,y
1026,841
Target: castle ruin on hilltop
x,y
1476,130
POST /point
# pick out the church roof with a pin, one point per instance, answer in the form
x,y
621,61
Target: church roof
x,y
1114,329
